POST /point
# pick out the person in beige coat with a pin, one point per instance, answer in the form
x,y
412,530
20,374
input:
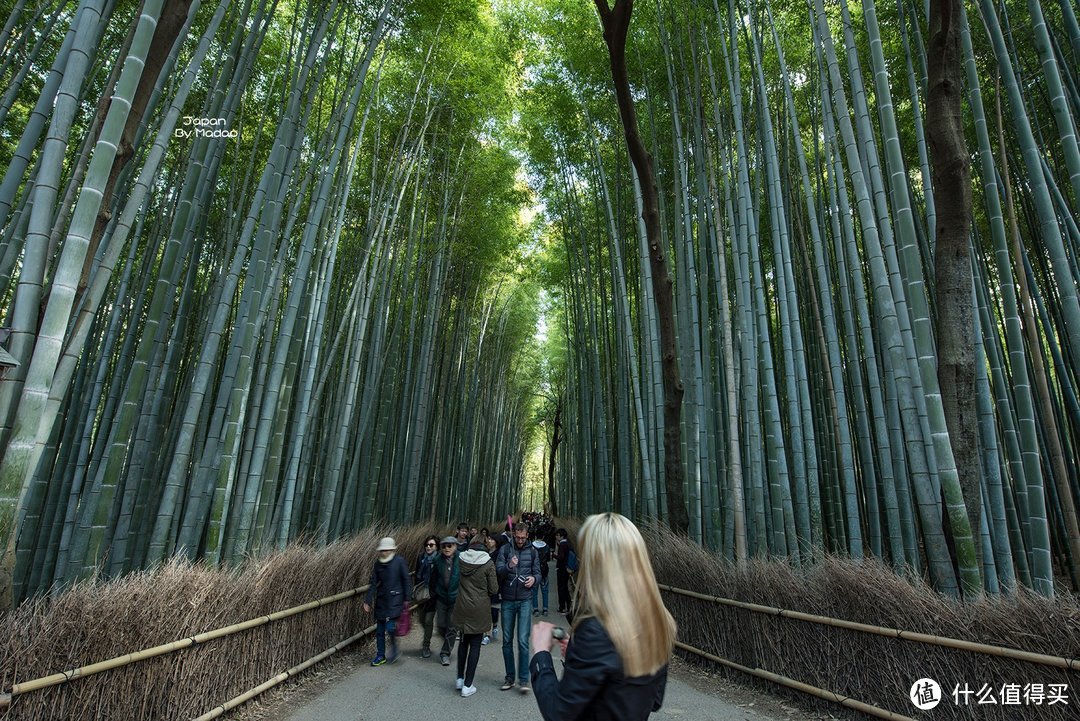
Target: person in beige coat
x,y
472,612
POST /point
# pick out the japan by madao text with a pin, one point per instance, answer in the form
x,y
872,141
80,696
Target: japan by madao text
x,y
193,127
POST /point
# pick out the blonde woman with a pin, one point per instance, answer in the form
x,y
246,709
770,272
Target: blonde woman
x,y
616,658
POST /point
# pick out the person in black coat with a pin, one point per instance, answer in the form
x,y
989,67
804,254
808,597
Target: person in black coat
x,y
562,572
390,588
445,579
540,591
617,656
425,562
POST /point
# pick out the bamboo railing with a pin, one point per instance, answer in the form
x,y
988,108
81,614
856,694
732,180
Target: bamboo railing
x,y
1071,664
806,688
283,676
167,648
164,649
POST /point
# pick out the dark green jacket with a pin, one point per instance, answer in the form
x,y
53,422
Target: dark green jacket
x,y
447,593
472,612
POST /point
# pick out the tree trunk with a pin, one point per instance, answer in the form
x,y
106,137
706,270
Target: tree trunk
x,y
556,439
174,15
616,23
952,261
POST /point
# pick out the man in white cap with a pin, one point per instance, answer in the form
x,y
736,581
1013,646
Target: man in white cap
x,y
389,587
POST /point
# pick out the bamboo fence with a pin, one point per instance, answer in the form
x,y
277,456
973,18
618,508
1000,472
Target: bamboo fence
x,y
833,632
1071,664
167,648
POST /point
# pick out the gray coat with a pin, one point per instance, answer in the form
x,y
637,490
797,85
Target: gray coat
x,y
472,612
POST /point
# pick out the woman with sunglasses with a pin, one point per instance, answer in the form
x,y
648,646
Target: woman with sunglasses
x,y
422,575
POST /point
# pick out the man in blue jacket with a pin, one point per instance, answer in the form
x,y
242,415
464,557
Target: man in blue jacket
x,y
518,569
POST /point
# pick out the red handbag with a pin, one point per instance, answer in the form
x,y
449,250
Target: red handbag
x,y
404,622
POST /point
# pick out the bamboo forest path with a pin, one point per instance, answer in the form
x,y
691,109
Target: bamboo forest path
x,y
415,689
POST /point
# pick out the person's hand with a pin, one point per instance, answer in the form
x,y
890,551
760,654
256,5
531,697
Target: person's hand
x,y
529,582
367,608
542,640
513,561
563,643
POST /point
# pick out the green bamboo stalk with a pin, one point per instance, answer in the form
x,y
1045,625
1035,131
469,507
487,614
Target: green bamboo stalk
x,y
940,565
27,440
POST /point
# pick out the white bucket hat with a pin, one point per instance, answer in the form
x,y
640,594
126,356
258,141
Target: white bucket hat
x,y
387,544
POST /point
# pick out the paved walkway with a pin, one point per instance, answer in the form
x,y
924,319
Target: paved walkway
x,y
418,689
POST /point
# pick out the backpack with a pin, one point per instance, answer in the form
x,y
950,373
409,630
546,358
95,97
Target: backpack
x,y
571,562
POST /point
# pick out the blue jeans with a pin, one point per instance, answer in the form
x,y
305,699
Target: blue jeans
x,y
382,629
516,614
542,589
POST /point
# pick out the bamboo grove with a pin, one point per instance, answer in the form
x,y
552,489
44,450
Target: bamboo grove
x,y
797,213
261,277
279,269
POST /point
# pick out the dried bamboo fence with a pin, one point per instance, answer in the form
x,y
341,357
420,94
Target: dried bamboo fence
x,y
238,629
835,627
830,631
56,679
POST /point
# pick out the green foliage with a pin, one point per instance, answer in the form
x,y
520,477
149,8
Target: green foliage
x,y
481,264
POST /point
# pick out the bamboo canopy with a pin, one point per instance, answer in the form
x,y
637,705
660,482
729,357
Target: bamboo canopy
x,y
794,281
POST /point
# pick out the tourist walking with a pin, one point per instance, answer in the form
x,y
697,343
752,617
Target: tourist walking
x,y
471,612
389,587
616,659
518,567
462,537
544,553
444,589
562,570
425,562
496,600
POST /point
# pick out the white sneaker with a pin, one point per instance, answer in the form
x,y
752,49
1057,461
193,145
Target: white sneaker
x,y
486,640
468,691
459,684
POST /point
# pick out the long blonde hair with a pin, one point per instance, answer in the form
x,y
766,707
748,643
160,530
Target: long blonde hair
x,y
616,585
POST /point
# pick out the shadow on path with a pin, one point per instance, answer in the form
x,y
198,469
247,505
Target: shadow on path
x,y
419,689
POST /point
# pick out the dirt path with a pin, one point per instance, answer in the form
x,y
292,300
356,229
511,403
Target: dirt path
x,y
417,689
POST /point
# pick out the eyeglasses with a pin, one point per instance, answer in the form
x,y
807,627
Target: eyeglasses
x,y
449,545
429,544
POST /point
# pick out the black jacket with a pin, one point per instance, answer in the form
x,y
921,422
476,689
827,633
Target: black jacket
x,y
544,553
593,687
562,554
424,564
445,592
390,587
